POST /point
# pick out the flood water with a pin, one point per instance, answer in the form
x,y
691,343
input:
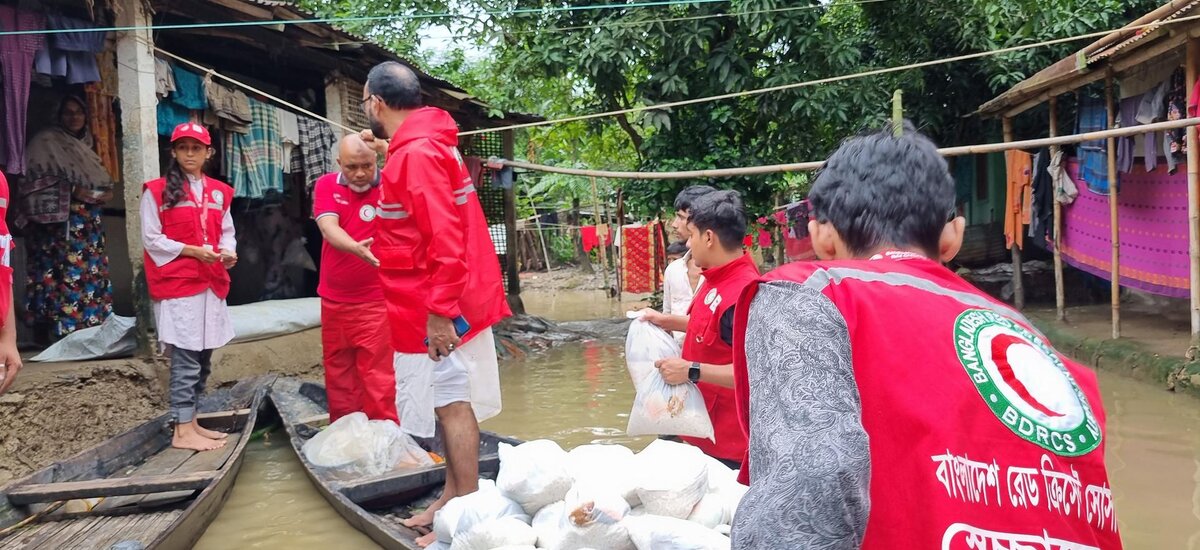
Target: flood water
x,y
580,393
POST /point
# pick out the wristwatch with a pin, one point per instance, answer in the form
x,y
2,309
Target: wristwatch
x,y
694,372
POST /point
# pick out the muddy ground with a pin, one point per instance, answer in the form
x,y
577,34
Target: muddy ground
x,y
58,409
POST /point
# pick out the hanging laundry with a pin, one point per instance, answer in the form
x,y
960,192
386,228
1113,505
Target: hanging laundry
x,y
1019,175
1093,155
164,78
1065,190
591,237
228,109
16,71
189,95
289,130
764,239
102,122
70,54
475,169
317,143
1041,227
1175,141
1126,117
256,158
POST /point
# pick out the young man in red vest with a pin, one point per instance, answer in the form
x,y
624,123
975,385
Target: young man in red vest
x,y
717,224
10,358
890,404
439,268
355,340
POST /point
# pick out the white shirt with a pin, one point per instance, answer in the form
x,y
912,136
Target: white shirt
x,y
197,322
677,289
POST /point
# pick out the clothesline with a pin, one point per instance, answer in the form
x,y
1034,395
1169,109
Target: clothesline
x,y
240,84
496,162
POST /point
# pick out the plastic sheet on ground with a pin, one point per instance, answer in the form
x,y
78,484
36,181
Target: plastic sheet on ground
x,y
116,337
274,318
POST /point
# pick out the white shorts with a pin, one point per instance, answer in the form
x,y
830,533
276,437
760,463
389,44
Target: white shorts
x,y
470,374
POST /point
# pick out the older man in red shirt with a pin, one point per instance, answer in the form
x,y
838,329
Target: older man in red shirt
x,y
354,327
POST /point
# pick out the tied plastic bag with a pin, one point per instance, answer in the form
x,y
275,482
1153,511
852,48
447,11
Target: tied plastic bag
x,y
663,533
612,465
674,477
355,446
533,474
546,524
664,409
710,512
496,533
645,344
590,518
461,515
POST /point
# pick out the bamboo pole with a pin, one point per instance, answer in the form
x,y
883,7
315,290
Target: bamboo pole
x,y
1060,292
537,220
1018,276
816,165
1193,196
603,238
1112,211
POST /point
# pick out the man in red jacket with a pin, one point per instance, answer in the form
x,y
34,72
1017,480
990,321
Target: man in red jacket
x,y
892,405
717,225
438,266
355,341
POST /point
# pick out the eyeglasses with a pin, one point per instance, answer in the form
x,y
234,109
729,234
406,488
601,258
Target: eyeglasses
x,y
362,103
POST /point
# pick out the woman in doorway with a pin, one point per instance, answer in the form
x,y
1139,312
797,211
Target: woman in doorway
x,y
189,240
60,207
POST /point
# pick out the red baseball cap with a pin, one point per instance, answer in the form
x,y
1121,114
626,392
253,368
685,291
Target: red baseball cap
x,y
191,130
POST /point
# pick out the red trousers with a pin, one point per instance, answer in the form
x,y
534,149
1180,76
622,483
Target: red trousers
x,y
359,375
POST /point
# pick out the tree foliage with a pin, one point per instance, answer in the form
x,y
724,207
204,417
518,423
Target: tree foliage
x,y
560,63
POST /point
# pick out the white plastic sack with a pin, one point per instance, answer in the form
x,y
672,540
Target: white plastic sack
x,y
463,514
612,465
361,447
673,478
115,337
710,512
533,474
664,409
663,533
274,318
496,533
590,518
546,524
644,344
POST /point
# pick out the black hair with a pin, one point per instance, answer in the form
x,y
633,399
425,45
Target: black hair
x,y
687,197
677,248
174,192
395,84
879,189
723,213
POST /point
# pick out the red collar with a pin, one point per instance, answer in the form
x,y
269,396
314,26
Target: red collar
x,y
716,274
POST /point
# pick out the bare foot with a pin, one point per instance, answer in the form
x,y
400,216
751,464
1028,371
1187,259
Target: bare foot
x,y
425,518
187,438
426,539
206,432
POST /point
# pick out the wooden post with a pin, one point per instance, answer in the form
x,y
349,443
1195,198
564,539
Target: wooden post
x,y
602,236
1060,292
1112,210
1193,196
139,147
510,232
1018,276
619,261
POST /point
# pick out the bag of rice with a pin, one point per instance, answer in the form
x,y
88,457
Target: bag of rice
x,y
462,514
663,533
533,474
496,533
644,344
612,465
664,409
673,477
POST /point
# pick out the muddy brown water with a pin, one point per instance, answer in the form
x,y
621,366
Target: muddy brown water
x,y
580,393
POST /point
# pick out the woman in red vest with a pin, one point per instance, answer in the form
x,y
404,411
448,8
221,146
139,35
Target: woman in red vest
x,y
189,246
10,359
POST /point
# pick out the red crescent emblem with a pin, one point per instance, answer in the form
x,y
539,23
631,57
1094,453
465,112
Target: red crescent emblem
x,y
1000,345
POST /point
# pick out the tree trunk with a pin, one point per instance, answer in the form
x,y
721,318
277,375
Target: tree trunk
x,y
585,261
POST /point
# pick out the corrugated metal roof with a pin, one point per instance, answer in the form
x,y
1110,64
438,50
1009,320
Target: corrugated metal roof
x,y
1083,66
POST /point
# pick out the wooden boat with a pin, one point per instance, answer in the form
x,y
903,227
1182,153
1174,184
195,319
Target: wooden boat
x,y
152,494
373,505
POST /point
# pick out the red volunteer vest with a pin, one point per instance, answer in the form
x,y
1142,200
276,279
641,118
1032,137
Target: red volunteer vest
x,y
981,434
6,246
432,241
703,343
183,277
